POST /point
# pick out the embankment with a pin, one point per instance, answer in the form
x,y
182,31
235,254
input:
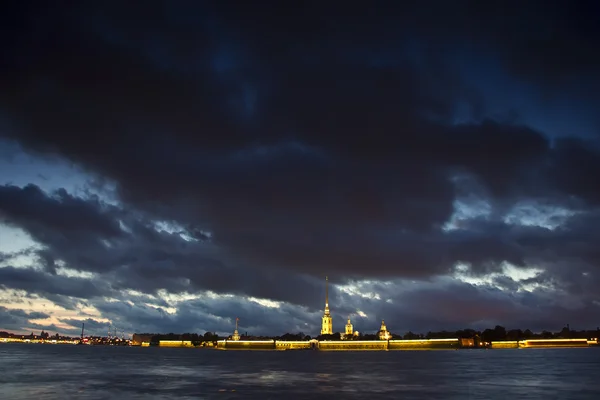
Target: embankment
x,y
246,345
175,343
541,343
339,345
424,344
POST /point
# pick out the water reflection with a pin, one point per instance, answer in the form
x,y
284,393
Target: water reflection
x,y
82,372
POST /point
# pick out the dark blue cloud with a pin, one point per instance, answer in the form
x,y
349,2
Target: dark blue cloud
x,y
282,144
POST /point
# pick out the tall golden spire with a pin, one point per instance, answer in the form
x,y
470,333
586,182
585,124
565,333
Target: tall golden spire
x,y
326,292
327,328
236,334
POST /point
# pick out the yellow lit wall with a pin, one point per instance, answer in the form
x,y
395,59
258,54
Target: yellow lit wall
x,y
246,344
353,345
506,344
292,345
423,344
555,343
175,343
20,340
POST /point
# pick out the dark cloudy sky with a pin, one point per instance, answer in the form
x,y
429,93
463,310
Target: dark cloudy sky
x,y
168,166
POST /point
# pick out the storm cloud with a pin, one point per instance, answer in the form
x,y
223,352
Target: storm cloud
x,y
233,151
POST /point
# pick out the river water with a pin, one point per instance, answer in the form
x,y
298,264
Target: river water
x,y
30,371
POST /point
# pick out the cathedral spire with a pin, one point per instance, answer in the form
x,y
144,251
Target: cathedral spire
x,y
236,334
326,292
327,328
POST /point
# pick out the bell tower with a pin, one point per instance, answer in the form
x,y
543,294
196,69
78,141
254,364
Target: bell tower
x,y
349,328
327,325
384,334
236,335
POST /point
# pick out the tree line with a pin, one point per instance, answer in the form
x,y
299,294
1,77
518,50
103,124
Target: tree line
x,y
498,333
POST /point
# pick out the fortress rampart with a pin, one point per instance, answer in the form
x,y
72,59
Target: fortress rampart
x,y
424,344
246,344
175,343
540,343
339,345
347,345
391,345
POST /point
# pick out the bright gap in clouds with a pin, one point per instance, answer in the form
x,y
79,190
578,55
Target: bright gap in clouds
x,y
174,298
172,227
366,289
14,239
72,273
544,216
265,302
35,303
168,310
462,272
521,213
465,210
20,168
354,290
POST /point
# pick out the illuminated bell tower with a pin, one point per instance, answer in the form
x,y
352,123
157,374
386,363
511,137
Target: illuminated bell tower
x,y
236,335
384,334
327,326
349,328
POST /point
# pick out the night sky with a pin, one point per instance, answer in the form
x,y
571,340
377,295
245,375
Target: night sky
x,y
168,166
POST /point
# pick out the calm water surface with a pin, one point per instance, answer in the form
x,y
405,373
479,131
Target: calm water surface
x,y
30,371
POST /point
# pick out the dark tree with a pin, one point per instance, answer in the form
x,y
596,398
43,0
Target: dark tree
x,y
411,336
547,335
565,333
335,336
515,334
210,337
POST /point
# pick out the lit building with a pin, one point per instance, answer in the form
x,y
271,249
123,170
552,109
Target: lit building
x,y
384,334
236,335
327,325
349,333
349,328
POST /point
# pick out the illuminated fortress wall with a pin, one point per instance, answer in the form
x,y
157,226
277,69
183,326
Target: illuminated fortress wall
x,y
353,345
246,344
47,341
423,344
339,345
513,344
507,344
175,343
554,343
292,345
263,345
